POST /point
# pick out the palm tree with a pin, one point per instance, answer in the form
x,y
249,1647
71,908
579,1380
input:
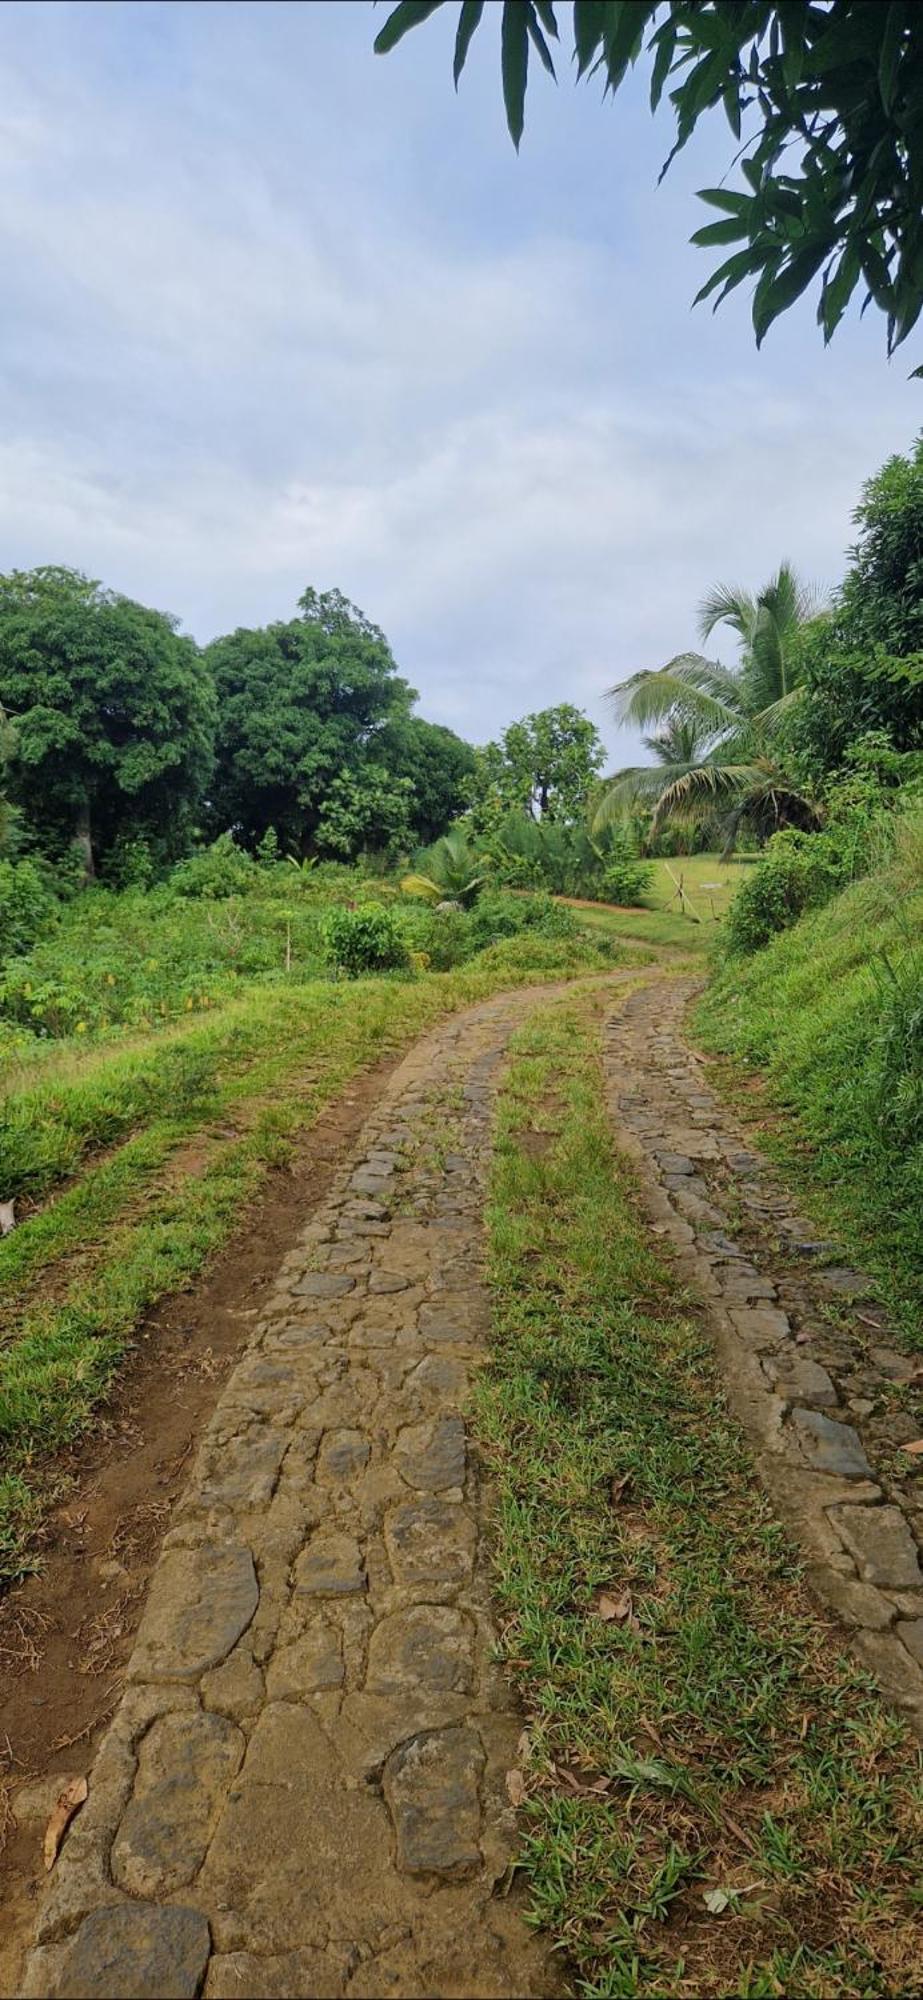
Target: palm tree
x,y
718,725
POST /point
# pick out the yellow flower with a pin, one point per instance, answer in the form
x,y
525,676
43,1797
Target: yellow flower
x,y
81,1028
110,979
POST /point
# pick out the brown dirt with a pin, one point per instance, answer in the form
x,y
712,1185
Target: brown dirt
x,y
66,1632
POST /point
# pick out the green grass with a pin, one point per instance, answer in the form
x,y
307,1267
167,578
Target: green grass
x,y
77,1277
707,1737
814,1014
709,883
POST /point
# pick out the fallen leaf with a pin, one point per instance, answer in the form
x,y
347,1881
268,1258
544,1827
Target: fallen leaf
x,y
915,1448
516,1787
618,1608
617,1488
524,1747
69,1802
717,1900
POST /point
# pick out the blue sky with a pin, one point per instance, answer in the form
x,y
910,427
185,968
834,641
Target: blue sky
x,y
277,311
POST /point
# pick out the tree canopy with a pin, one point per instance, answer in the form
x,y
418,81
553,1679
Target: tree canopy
x,y
546,765
301,705
111,713
824,99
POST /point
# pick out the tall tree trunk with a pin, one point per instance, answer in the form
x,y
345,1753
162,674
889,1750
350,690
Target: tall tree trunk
x,y
83,838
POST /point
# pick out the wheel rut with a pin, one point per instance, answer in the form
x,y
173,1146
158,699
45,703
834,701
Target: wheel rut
x,y
303,1788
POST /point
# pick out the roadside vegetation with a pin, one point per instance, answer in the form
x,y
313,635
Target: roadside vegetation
x,y
714,1800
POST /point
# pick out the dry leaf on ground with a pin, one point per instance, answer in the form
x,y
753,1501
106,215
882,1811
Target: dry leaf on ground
x,y
516,1787
69,1802
614,1607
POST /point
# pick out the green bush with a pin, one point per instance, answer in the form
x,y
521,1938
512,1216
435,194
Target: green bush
x,y
442,933
797,872
504,916
625,877
223,869
365,940
27,902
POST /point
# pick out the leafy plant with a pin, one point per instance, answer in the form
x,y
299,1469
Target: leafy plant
x,y
452,869
365,940
824,104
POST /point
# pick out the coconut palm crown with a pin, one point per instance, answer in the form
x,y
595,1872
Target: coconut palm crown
x,y
715,741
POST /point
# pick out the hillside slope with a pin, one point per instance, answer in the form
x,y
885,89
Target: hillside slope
x,y
831,1012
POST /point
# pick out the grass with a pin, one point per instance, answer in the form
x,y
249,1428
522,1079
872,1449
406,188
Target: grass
x,y
829,1016
691,1730
77,1277
664,919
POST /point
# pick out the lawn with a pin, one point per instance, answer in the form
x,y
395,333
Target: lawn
x,y
714,1800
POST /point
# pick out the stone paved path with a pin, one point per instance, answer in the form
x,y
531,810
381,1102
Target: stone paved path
x,y
824,1395
303,1790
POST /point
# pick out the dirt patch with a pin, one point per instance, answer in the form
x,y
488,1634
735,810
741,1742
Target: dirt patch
x,y
66,1633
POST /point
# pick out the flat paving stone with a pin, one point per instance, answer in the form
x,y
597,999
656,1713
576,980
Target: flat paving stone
x,y
185,1768
431,1785
830,1447
430,1542
429,1646
138,1951
331,1566
200,1602
881,1544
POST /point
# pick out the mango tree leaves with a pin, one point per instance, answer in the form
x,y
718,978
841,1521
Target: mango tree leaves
x,y
828,95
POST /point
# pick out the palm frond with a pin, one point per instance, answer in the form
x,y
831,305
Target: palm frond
x,y
725,605
700,690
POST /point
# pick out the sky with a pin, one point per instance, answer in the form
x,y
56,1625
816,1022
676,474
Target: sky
x,y
277,311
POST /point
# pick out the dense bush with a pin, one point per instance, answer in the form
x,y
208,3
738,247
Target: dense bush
x,y
27,902
501,915
223,869
624,877
365,940
439,934
794,873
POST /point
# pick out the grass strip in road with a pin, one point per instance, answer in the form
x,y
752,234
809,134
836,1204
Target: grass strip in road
x,y
716,1801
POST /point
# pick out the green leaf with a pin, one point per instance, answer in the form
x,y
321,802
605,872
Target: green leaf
x,y
730,273
728,231
514,63
733,203
589,16
538,40
664,43
779,287
468,21
623,35
837,291
545,11
889,59
408,14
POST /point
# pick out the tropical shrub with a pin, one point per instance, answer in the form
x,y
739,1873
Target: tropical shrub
x,y
27,901
365,940
625,878
223,869
504,916
796,872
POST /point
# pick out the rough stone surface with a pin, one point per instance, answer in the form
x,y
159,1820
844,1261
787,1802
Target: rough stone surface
x,y
200,1602
315,1730
881,1545
431,1786
828,1446
185,1766
137,1952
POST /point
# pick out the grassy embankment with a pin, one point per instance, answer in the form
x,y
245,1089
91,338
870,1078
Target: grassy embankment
x,y
830,1014
715,1802
111,1136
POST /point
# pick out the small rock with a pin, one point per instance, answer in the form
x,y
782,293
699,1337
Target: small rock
x,y
430,1646
430,1542
797,1378
324,1285
831,1447
137,1951
331,1566
881,1544
308,1665
761,1327
342,1454
431,1787
432,1456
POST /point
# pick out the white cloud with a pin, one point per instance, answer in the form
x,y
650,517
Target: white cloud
x,y
269,324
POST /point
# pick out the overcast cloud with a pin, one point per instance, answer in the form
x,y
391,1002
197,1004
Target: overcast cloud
x,y
279,312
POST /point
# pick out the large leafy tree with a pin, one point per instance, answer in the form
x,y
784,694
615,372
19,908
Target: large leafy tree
x,y
862,665
437,765
719,727
824,99
301,707
547,765
111,714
